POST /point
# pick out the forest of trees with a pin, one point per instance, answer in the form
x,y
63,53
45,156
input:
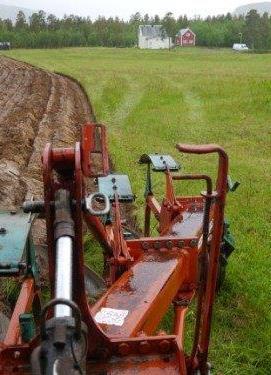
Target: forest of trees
x,y
48,31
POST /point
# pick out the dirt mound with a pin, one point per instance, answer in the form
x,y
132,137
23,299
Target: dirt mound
x,y
36,107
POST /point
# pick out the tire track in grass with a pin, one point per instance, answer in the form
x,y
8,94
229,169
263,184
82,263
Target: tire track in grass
x,y
195,107
95,90
131,100
128,102
116,119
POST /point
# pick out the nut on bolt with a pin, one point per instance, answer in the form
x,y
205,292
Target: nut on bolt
x,y
157,245
164,346
169,244
194,243
145,245
181,244
144,347
161,333
16,354
124,349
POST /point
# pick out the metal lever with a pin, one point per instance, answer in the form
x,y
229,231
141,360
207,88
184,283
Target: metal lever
x,y
33,206
232,186
89,204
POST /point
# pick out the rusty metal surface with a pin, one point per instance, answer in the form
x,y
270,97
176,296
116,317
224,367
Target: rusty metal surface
x,y
152,364
190,226
4,323
24,304
95,161
154,277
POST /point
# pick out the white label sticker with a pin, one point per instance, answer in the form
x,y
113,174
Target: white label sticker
x,y
111,316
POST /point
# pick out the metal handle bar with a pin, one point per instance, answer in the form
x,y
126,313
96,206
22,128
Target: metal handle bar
x,y
197,177
232,186
221,182
89,204
207,294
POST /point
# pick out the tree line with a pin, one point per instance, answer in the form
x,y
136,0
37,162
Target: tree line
x,y
48,31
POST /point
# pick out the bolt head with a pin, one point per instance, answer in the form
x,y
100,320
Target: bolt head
x,y
164,346
193,243
181,244
144,347
161,333
16,354
157,245
169,244
124,349
145,245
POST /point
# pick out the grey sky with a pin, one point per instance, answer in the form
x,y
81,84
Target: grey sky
x,y
124,8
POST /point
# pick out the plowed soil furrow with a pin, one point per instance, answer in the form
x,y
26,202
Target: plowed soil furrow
x,y
36,107
11,90
3,76
12,100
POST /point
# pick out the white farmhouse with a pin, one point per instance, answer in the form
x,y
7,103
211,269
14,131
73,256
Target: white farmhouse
x,y
153,37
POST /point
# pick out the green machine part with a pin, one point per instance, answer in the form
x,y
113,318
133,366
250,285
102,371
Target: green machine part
x,y
27,326
17,253
158,163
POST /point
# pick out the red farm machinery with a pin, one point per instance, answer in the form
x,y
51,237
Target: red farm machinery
x,y
119,332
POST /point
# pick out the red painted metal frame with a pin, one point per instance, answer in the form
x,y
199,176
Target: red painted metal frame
x,y
14,354
127,263
94,141
24,304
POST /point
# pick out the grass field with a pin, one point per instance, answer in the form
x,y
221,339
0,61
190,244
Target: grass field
x,y
151,100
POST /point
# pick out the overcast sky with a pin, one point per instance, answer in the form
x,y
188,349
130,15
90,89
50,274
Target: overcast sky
x,y
124,8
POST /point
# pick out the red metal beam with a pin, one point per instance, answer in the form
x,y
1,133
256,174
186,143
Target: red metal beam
x,y
145,291
24,304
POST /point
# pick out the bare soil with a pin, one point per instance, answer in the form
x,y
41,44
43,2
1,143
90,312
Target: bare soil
x,y
36,107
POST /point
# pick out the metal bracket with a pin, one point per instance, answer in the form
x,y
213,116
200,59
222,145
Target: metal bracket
x,y
160,162
232,186
16,249
116,183
94,150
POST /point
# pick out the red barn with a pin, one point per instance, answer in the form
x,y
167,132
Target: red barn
x,y
185,37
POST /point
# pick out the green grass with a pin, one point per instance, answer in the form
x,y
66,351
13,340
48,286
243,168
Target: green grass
x,y
151,100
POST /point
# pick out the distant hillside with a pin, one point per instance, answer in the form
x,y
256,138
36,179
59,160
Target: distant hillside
x,y
9,11
260,7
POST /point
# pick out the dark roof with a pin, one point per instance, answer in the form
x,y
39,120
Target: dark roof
x,y
152,31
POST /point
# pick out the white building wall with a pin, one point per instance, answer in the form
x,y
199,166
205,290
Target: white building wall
x,y
154,43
